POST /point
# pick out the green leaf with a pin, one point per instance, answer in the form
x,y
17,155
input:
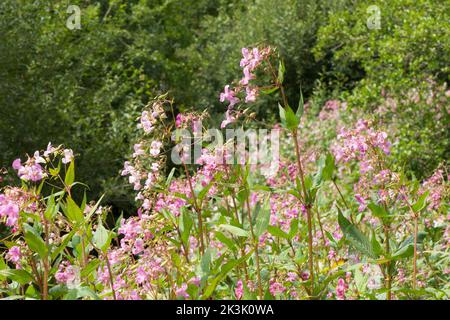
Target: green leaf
x,y
206,260
226,241
51,209
227,267
234,230
281,70
91,266
36,244
327,172
93,209
293,228
277,232
101,238
63,245
376,247
378,211
301,106
262,220
186,227
288,118
18,275
81,292
406,248
421,202
355,237
269,91
70,174
73,212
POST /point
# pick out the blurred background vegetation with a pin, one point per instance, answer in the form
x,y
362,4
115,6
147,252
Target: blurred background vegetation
x,y
85,88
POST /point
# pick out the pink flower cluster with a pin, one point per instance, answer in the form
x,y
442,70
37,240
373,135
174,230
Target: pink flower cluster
x,y
341,289
66,274
12,201
437,188
250,62
32,170
14,255
357,144
148,119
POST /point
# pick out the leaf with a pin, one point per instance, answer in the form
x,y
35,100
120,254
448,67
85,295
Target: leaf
x,y
101,238
51,209
281,70
301,105
70,174
73,212
93,209
269,91
186,227
262,220
81,292
355,237
293,228
327,172
63,245
378,211
288,118
206,260
406,248
169,177
36,244
376,247
91,266
277,232
421,202
226,241
18,275
227,267
234,230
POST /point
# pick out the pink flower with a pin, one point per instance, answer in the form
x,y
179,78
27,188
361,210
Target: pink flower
x,y
138,246
50,150
195,281
229,95
228,119
16,164
155,148
247,76
340,289
138,151
68,156
362,202
276,288
247,57
179,120
239,290
181,291
66,273
251,94
141,275
14,255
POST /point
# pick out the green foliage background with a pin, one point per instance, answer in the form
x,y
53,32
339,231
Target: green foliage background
x,y
85,88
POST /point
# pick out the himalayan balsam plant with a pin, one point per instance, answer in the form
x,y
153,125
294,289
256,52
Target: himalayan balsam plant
x,y
341,222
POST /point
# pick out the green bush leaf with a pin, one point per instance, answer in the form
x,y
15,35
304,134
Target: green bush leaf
x,y
277,232
73,212
18,275
262,219
70,174
355,237
101,238
36,244
234,230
